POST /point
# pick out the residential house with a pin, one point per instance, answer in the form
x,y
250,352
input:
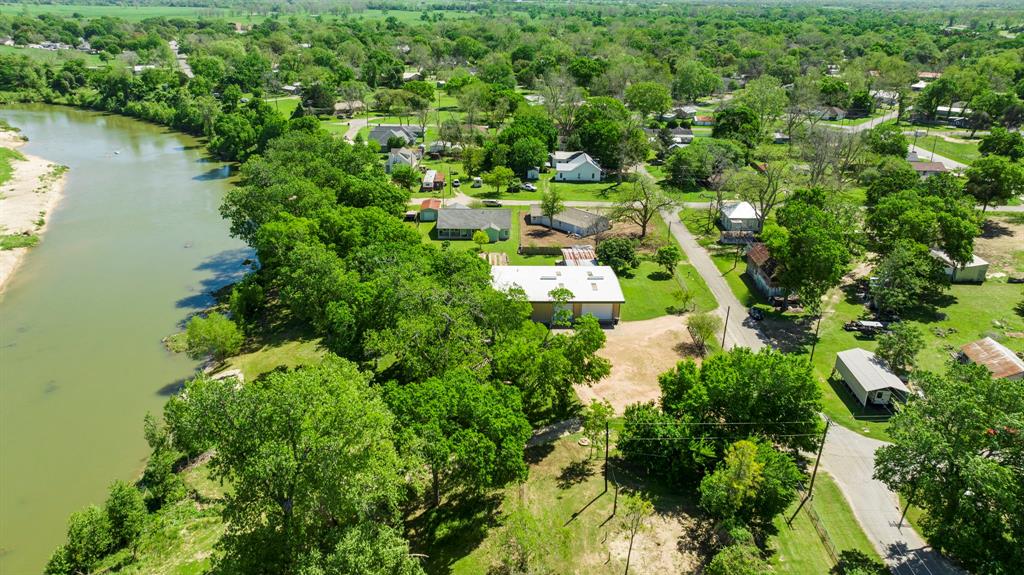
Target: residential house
x,y
457,222
831,113
595,290
739,217
575,167
704,121
412,76
919,85
673,147
348,109
404,156
384,132
929,76
957,110
571,221
974,272
681,135
428,209
999,359
761,267
928,169
885,97
433,180
868,377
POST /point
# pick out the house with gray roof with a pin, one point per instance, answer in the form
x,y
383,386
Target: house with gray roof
x,y
384,132
457,222
571,221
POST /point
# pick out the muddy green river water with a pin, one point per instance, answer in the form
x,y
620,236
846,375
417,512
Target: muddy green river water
x,y
134,247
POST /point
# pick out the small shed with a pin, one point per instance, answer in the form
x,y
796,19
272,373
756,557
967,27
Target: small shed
x,y
974,272
761,268
428,209
868,377
999,359
579,256
928,169
739,217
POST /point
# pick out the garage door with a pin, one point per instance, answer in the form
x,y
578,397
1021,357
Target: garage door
x,y
602,311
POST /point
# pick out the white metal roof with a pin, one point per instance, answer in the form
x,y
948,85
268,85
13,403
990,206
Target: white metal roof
x,y
739,211
590,284
870,372
944,258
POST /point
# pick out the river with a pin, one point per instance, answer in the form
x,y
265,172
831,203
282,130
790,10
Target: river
x,y
135,246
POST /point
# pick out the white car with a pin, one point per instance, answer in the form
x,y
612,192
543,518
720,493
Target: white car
x,y
529,187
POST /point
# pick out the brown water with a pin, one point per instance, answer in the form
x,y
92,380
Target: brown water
x,y
134,247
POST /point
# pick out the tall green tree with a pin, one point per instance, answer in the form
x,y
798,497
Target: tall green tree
x,y
994,180
907,277
899,347
957,454
551,204
694,80
753,483
648,98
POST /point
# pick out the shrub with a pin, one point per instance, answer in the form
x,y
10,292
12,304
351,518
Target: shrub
x,y
619,253
215,336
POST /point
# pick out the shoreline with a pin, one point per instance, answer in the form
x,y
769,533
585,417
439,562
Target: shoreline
x,y
34,190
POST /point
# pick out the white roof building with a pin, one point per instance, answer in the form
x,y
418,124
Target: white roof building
x,y
739,217
575,167
868,377
595,289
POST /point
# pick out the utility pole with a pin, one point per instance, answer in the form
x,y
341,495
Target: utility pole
x,y
726,327
606,457
810,488
814,344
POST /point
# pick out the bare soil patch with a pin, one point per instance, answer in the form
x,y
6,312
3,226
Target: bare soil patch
x,y
1002,246
640,351
542,236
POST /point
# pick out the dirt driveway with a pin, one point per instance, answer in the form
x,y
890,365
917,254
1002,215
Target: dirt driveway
x,y
640,351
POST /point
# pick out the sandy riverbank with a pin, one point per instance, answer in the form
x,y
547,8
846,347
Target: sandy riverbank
x,y
35,188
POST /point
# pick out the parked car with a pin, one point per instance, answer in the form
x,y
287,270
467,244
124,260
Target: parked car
x,y
756,314
492,203
456,183
477,182
529,187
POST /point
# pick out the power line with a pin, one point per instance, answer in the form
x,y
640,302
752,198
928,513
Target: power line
x,y
717,423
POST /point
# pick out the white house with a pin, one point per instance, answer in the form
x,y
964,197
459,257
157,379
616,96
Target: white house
x,y
974,272
400,156
595,290
868,377
575,167
739,217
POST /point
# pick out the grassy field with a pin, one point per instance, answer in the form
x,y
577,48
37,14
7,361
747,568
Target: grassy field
x,y
798,547
285,105
963,153
7,157
51,56
650,292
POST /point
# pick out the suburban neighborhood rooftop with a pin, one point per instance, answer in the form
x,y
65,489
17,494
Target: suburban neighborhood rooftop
x,y
998,358
870,371
587,283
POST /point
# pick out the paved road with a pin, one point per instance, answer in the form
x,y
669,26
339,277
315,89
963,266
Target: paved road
x,y
739,331
870,123
849,458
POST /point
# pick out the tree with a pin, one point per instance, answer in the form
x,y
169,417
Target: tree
x,y
668,257
740,558
740,123
807,244
469,435
892,175
899,347
214,336
635,510
233,137
126,512
372,549
526,154
596,416
765,187
309,453
648,98
694,80
405,176
89,540
551,205
1002,142
703,327
499,177
641,203
994,180
835,92
767,99
701,161
956,454
619,253
906,277
887,140
481,239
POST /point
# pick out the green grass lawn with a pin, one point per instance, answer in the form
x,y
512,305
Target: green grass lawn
x,y
963,153
798,547
878,113
650,292
51,56
7,158
285,105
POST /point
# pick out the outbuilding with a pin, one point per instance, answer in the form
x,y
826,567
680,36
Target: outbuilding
x,y
868,377
974,272
999,359
761,267
428,209
571,221
457,222
739,217
595,290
